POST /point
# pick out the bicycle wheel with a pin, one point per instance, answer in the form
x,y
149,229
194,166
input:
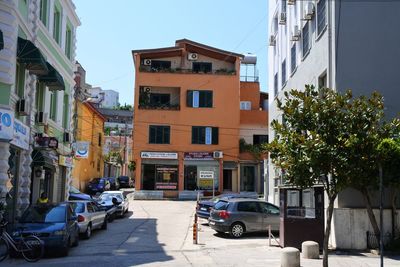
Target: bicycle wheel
x,y
3,249
32,248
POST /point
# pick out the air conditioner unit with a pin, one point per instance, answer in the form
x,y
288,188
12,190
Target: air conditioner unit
x,y
41,118
272,40
67,137
193,56
147,62
147,89
309,11
291,2
218,154
282,18
295,33
22,107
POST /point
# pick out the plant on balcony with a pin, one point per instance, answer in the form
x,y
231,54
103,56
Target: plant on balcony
x,y
255,150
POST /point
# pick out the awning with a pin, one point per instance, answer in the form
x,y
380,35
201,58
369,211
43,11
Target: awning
x,y
230,165
29,54
43,158
53,79
1,40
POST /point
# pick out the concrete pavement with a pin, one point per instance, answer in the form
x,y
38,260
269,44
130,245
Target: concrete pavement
x,y
159,233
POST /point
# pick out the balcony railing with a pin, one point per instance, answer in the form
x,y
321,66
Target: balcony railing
x,y
160,106
186,71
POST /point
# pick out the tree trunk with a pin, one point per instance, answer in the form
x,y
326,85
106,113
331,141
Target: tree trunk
x,y
328,231
370,213
395,228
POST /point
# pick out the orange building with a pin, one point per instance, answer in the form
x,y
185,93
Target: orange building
x,y
90,130
187,118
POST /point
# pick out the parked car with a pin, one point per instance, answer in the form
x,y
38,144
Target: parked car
x,y
126,182
75,194
55,224
114,183
98,185
115,198
240,215
204,207
90,216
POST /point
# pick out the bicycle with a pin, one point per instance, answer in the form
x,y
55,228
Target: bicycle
x,y
31,247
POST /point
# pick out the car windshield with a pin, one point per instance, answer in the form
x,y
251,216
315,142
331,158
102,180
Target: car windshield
x,y
108,197
221,205
79,207
218,198
44,214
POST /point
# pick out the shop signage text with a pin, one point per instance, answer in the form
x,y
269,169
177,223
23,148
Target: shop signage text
x,y
206,175
198,156
6,122
82,150
21,135
65,161
158,155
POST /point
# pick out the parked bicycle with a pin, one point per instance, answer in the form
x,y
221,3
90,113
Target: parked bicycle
x,y
31,247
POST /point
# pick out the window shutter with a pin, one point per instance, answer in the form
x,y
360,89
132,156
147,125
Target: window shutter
x,y
209,97
214,135
189,98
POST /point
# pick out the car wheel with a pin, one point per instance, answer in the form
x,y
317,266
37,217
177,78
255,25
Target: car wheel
x,y
88,232
104,225
237,230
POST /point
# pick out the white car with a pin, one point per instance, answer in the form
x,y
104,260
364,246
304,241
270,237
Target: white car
x,y
122,203
90,216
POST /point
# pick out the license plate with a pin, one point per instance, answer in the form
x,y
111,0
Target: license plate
x,y
211,223
33,242
203,209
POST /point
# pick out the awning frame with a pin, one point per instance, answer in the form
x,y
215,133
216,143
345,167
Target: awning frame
x,y
30,55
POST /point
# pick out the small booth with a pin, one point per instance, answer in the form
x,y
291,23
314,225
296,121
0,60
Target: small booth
x,y
302,216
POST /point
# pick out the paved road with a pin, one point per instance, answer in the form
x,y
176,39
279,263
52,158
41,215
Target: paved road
x,y
159,233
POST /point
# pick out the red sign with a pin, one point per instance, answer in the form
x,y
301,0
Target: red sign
x,y
198,156
166,186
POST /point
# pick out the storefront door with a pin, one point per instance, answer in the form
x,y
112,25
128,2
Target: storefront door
x,y
190,178
228,180
248,178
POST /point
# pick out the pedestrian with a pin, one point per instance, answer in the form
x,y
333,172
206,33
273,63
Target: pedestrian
x,y
43,199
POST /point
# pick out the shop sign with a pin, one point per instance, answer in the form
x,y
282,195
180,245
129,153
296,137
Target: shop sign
x,y
158,155
21,135
46,142
206,183
82,149
172,186
198,156
206,175
65,161
6,124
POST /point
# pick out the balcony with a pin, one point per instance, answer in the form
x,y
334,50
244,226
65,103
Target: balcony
x,y
159,98
221,71
254,117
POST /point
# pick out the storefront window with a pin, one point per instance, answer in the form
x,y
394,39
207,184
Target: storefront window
x,y
248,178
160,177
199,177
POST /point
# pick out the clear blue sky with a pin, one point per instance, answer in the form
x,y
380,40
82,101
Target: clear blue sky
x,y
110,30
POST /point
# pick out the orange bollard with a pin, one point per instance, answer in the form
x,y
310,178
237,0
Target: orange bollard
x,y
195,233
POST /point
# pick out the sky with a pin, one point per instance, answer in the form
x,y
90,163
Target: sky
x,y
110,30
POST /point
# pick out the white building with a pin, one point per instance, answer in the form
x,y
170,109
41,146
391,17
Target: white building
x,y
337,44
105,98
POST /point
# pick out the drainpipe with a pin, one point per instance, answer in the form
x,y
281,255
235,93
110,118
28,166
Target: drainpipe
x,y
330,61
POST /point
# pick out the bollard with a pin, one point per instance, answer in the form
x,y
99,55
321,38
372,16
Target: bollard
x,y
290,257
195,233
269,235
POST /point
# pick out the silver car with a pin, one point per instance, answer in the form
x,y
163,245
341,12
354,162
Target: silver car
x,y
238,216
90,216
121,203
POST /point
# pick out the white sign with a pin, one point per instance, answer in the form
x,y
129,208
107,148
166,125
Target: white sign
x,y
158,155
6,124
206,175
82,150
21,135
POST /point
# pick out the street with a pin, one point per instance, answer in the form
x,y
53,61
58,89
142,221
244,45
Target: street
x,y
159,233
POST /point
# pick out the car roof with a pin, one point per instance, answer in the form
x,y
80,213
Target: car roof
x,y
242,199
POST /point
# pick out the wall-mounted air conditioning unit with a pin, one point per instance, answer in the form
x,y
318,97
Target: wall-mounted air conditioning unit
x,y
309,11
272,40
218,154
282,18
193,56
67,137
41,118
295,33
291,2
22,107
147,62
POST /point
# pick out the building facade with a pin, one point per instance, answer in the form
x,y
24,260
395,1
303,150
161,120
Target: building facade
x,y
36,81
104,98
187,119
334,44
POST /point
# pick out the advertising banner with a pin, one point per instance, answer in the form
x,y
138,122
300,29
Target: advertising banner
x,y
158,155
65,161
82,149
198,156
21,135
6,124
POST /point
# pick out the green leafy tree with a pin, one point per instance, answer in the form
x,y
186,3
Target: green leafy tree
x,y
331,139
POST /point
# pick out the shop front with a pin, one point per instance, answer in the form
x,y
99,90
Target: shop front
x,y
201,171
65,163
159,171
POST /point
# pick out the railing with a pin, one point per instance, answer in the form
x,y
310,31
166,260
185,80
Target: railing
x,y
249,78
160,107
188,71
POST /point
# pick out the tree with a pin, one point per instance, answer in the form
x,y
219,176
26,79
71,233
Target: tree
x,y
328,138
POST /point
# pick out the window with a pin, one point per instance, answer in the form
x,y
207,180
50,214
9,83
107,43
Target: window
x,y
322,81
68,42
43,11
202,67
283,5
283,72
248,206
321,16
271,209
160,65
306,39
293,58
159,99
57,25
53,105
159,134
245,105
39,96
276,84
66,111
199,99
20,80
259,139
205,135
99,144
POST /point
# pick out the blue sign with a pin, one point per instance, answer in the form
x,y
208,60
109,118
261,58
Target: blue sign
x,y
208,135
21,135
6,124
